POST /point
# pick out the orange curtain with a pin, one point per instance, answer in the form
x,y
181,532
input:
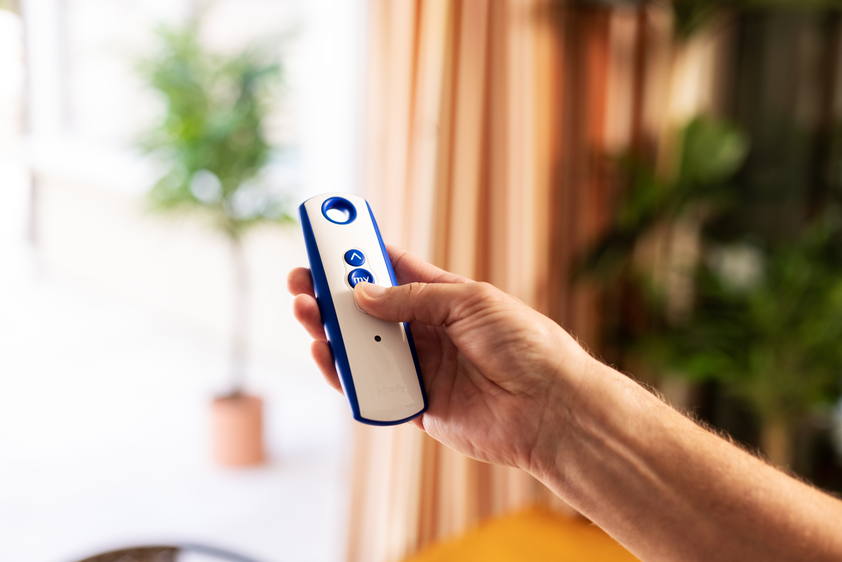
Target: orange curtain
x,y
487,126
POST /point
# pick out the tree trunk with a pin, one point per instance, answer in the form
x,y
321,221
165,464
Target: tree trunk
x,y
776,441
239,318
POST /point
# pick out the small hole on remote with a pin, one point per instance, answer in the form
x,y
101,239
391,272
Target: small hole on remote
x,y
376,338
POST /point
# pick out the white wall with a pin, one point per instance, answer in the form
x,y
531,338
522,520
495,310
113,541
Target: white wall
x,y
87,108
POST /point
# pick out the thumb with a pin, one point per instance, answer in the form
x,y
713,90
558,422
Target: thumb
x,y
428,303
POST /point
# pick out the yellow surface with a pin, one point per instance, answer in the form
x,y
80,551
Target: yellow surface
x,y
533,535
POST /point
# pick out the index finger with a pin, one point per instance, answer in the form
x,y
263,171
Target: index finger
x,y
410,268
299,282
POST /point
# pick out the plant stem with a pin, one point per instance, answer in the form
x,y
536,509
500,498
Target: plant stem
x,y
239,317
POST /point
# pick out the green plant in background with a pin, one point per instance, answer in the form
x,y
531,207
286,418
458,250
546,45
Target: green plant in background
x,y
624,261
768,326
712,151
692,15
763,316
212,147
723,264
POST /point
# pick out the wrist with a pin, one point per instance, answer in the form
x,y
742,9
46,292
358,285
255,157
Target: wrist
x,y
602,408
571,371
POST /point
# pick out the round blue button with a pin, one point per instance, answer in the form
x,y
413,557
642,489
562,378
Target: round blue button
x,y
354,257
360,275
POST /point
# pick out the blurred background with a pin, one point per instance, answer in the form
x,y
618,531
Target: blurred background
x,y
663,179
118,304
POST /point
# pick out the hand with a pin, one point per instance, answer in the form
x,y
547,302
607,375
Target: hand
x,y
507,385
497,373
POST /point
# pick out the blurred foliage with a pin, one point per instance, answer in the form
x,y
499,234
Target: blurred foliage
x,y
767,324
712,152
211,140
766,311
691,15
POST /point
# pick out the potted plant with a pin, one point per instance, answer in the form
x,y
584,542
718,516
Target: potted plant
x,y
212,148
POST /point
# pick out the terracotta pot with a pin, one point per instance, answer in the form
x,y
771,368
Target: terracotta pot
x,y
237,430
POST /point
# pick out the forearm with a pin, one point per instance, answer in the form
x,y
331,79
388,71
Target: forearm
x,y
669,490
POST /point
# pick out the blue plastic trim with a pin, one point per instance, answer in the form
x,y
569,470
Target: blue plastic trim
x,y
343,205
328,312
406,328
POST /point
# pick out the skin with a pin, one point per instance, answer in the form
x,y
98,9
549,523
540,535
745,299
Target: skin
x,y
508,385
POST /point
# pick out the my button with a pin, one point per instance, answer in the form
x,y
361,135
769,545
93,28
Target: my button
x,y
360,275
354,257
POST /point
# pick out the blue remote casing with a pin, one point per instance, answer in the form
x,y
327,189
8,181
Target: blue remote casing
x,y
376,360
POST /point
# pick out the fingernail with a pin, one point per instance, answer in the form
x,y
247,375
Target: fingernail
x,y
373,290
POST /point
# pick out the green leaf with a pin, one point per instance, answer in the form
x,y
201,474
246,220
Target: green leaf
x,y
711,152
215,109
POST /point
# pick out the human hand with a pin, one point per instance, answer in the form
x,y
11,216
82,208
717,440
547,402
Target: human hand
x,y
507,385
498,374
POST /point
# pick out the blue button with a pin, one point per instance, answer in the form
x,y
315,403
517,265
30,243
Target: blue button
x,y
360,275
354,257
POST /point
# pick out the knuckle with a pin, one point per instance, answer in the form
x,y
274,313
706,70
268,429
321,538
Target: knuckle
x,y
412,294
483,292
472,297
479,297
414,290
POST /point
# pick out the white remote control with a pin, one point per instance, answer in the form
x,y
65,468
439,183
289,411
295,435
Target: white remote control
x,y
375,359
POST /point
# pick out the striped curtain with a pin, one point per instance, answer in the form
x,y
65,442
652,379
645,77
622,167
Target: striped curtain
x,y
488,124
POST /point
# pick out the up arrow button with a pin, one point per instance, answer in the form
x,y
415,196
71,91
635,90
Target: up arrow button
x,y
354,257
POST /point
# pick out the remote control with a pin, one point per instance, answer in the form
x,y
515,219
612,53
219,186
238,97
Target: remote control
x,y
376,360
